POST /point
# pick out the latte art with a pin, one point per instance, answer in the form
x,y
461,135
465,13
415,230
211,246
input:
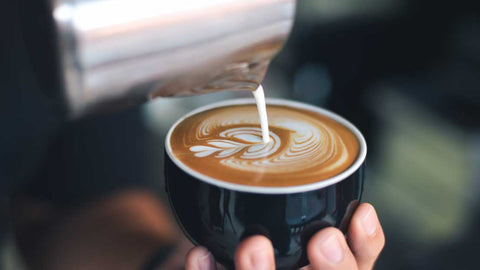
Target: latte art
x,y
252,147
226,144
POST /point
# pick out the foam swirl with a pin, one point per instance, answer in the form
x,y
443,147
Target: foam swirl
x,y
226,143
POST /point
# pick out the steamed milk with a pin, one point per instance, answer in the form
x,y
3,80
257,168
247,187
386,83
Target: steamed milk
x,y
228,143
262,112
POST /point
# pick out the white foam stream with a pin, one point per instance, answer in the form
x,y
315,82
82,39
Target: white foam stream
x,y
262,112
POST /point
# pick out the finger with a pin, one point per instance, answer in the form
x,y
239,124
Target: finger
x,y
199,258
328,249
365,236
255,252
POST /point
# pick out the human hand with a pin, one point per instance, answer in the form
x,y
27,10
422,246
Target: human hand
x,y
327,249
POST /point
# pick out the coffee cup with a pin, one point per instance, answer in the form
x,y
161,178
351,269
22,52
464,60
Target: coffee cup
x,y
218,211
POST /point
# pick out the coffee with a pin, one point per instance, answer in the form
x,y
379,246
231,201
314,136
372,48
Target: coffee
x,y
225,143
224,183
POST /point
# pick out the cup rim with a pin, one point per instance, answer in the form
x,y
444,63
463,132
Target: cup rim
x,y
272,190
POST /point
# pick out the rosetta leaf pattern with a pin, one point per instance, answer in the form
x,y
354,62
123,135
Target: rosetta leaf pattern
x,y
230,143
221,147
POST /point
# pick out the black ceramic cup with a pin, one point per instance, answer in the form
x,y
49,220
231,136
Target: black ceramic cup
x,y
218,214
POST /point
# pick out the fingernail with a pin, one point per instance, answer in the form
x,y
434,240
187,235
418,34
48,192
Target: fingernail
x,y
332,249
206,262
369,221
259,260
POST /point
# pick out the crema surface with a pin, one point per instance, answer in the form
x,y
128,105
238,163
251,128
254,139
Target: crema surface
x,y
226,143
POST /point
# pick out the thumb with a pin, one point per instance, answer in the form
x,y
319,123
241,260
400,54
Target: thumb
x,y
199,258
255,252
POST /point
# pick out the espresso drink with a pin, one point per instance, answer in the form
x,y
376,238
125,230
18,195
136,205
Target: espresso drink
x,y
225,143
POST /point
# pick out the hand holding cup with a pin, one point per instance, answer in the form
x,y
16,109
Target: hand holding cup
x,y
328,248
226,186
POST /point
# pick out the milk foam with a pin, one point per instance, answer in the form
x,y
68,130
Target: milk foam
x,y
310,143
262,112
252,147
226,143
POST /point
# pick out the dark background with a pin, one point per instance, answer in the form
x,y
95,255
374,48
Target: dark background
x,y
406,72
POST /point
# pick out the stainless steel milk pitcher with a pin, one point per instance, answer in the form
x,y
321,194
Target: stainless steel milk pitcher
x,y
119,52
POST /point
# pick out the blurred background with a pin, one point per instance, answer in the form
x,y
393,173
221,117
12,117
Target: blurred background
x,y
406,72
